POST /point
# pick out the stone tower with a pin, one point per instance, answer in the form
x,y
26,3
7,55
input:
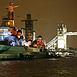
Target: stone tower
x,y
61,30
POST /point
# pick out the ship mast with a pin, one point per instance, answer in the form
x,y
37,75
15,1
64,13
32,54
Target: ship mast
x,y
29,27
11,15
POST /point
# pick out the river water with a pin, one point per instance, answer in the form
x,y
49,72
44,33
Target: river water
x,y
59,67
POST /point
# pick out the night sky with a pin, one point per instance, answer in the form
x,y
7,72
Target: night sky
x,y
49,13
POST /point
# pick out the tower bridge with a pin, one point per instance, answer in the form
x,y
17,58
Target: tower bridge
x,y
60,41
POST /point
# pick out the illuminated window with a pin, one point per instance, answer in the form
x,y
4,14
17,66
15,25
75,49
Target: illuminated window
x,y
3,29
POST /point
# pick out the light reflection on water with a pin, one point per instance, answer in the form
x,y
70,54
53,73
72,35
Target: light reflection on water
x,y
61,67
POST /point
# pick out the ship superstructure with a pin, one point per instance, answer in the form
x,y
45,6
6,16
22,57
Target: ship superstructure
x,y
7,27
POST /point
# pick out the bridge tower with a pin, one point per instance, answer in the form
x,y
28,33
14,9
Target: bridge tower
x,y
62,42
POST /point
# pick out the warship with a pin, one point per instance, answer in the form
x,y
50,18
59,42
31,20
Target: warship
x,y
21,44
14,45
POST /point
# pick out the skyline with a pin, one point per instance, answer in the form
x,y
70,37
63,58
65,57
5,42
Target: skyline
x,y
49,13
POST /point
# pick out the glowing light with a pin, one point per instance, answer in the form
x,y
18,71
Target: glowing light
x,y
35,45
60,43
3,29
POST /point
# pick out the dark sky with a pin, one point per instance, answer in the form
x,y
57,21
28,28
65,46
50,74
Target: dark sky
x,y
48,12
